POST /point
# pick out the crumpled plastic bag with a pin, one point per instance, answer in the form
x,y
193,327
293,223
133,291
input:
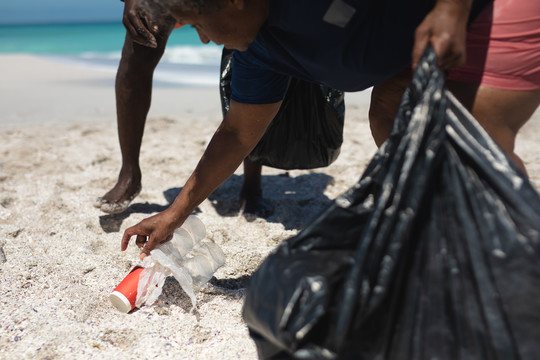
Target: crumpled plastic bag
x,y
433,254
188,256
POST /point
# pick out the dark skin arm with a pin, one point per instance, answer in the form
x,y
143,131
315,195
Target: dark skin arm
x,y
237,135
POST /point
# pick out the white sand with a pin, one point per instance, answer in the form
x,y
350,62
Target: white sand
x,y
59,151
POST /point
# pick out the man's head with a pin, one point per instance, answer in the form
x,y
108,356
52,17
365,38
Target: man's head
x,y
233,23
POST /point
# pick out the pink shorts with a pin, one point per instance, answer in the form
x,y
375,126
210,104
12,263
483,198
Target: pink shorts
x,y
503,47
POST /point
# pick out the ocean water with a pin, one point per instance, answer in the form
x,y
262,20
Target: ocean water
x,y
186,62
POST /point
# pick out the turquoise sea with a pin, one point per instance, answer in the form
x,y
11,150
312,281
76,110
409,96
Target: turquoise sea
x,y
186,60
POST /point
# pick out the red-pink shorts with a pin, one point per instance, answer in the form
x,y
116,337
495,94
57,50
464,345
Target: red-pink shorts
x,y
503,47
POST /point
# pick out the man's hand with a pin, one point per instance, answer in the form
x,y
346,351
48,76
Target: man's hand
x,y
234,139
445,27
139,24
150,233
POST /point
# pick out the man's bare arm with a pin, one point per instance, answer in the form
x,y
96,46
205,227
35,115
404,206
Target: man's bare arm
x,y
237,135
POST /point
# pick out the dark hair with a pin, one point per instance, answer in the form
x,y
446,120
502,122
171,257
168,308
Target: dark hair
x,y
158,8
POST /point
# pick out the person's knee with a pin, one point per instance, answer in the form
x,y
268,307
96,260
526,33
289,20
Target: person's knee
x,y
385,100
381,119
138,58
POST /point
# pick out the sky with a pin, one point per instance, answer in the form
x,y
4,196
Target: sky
x,y
55,11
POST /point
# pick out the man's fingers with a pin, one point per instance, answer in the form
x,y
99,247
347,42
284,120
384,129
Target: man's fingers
x,y
138,31
125,240
448,56
145,37
144,30
144,253
420,44
153,28
140,240
150,245
127,236
147,247
133,33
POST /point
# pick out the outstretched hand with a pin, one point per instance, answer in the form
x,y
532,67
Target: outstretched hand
x,y
445,28
149,233
139,25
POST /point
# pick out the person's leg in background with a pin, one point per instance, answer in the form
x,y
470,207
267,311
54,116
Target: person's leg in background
x,y
501,112
385,100
251,195
500,82
133,91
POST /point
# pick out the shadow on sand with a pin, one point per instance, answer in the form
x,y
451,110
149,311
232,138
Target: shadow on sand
x,y
294,201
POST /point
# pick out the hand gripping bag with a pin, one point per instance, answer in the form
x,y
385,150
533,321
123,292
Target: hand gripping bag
x,y
306,133
433,254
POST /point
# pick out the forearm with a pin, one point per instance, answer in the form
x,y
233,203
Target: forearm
x,y
222,157
461,3
239,132
459,8
229,146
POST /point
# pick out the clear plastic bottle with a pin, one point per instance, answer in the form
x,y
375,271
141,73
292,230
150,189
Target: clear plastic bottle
x,y
189,257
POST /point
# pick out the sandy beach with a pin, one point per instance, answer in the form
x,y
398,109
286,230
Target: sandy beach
x,y
60,257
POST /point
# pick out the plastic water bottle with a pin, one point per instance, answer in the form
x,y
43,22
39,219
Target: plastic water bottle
x,y
189,257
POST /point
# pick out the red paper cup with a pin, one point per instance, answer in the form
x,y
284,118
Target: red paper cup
x,y
124,296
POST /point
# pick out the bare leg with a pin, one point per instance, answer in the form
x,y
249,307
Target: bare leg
x,y
133,97
501,112
385,100
251,194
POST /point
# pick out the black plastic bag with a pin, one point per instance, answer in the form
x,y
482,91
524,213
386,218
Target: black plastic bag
x,y
433,254
306,133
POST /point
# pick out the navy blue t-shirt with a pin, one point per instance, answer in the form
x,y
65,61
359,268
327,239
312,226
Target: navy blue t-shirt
x,y
347,45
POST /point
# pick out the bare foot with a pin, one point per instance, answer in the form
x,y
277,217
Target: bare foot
x,y
255,204
119,197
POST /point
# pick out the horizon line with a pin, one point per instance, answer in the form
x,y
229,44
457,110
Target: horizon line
x,y
61,22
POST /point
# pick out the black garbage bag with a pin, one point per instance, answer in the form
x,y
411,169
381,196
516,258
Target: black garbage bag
x,y
433,254
306,133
